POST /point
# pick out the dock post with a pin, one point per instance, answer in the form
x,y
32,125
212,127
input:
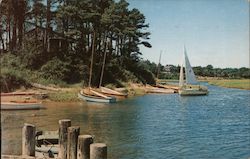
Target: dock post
x,y
28,140
98,151
83,147
73,133
63,134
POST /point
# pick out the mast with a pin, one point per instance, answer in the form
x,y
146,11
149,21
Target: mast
x,y
103,63
158,70
181,78
92,58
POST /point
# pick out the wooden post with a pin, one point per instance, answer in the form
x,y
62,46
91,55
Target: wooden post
x,y
28,140
98,151
63,134
73,133
83,147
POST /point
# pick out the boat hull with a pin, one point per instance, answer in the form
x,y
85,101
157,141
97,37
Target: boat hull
x,y
21,106
90,98
113,93
160,90
193,90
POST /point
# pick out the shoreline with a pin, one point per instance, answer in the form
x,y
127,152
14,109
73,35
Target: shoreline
x,y
67,94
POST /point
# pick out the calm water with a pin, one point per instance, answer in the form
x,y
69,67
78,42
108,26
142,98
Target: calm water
x,y
216,126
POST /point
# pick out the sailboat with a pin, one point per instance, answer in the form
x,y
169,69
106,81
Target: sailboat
x,y
105,90
89,94
189,86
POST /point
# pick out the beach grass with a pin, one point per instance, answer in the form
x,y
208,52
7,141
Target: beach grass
x,y
232,83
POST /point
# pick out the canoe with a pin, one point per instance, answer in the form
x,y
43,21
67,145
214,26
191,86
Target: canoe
x,y
160,90
114,93
21,105
150,89
175,88
93,96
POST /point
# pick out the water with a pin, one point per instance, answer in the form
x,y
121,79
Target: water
x,y
151,126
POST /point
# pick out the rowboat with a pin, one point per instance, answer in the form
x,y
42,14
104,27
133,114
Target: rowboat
x,y
90,95
113,93
21,105
190,86
159,90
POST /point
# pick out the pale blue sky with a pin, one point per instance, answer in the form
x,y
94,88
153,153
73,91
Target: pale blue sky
x,y
214,31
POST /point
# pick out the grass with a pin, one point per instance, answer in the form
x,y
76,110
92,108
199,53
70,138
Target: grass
x,y
232,83
69,95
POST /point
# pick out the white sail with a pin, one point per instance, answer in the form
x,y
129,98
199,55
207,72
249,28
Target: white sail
x,y
189,73
181,79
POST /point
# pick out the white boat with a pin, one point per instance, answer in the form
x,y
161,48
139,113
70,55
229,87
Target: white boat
x,y
189,86
90,95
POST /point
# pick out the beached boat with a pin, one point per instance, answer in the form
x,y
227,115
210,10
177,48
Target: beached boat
x,y
190,86
21,105
159,90
113,93
90,95
173,87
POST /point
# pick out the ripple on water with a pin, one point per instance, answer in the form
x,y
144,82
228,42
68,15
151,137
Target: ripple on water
x,y
152,126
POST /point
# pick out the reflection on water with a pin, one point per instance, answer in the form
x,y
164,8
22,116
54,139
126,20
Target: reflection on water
x,y
151,126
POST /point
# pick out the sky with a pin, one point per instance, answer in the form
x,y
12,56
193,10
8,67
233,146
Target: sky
x,y
214,32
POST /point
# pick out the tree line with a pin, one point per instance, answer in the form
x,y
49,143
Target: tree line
x,y
56,39
52,42
173,71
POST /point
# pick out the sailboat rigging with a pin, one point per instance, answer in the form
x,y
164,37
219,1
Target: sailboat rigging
x,y
189,86
89,94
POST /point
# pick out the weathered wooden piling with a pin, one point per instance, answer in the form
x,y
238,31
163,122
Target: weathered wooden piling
x,y
71,145
63,135
83,147
28,140
73,133
98,151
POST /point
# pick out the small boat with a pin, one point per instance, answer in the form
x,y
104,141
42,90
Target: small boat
x,y
159,90
90,95
113,93
190,86
21,105
173,87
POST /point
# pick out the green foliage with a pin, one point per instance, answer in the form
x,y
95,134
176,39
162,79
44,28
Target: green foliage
x,y
12,79
118,30
242,84
55,69
11,61
33,55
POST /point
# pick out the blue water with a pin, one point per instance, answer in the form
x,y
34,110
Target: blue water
x,y
155,126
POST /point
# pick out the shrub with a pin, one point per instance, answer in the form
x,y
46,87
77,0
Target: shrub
x,y
55,70
11,80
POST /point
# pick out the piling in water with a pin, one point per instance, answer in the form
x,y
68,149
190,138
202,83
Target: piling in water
x,y
63,135
83,147
98,151
73,133
28,140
